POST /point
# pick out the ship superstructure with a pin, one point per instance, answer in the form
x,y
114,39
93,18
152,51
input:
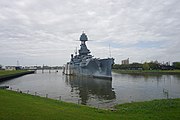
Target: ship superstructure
x,y
85,64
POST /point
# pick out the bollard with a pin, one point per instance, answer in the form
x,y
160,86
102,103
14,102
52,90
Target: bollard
x,y
10,88
46,95
35,93
27,91
167,94
131,100
59,97
79,101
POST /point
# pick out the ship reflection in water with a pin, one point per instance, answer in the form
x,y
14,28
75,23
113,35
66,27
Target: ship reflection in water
x,y
91,89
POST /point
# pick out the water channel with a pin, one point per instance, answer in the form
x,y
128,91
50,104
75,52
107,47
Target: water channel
x,y
98,92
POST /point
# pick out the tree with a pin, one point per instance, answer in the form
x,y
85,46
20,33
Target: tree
x,y
146,66
176,65
154,65
116,66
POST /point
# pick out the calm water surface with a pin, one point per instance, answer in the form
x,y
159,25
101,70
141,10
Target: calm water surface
x,y
97,92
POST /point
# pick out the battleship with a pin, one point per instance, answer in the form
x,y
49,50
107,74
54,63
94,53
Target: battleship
x,y
84,64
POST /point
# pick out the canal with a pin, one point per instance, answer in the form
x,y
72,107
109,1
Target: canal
x,y
98,92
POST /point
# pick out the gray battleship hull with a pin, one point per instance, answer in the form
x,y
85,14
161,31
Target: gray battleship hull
x,y
99,68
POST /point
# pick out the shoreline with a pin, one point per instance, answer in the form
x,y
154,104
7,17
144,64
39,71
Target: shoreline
x,y
10,75
147,72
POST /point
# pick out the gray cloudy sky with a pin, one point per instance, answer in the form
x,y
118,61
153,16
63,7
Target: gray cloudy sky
x,y
45,31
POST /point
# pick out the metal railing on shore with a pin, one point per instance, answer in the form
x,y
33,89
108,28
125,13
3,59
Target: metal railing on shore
x,y
35,93
43,95
165,92
50,96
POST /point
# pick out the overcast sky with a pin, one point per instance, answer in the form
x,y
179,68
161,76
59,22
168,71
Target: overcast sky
x,y
37,32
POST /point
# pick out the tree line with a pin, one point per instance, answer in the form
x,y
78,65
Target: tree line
x,y
147,66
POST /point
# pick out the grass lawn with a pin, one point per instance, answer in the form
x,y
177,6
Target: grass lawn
x,y
11,72
19,106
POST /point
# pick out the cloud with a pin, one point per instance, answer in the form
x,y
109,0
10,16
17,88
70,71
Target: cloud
x,y
44,32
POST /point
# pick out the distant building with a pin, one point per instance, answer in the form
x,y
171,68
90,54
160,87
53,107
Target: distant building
x,y
125,62
10,67
30,68
13,67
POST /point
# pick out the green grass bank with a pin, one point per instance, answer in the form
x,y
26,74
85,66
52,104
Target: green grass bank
x,y
9,74
146,71
19,106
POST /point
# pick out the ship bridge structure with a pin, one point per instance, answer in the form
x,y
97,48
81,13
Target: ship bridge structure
x,y
84,50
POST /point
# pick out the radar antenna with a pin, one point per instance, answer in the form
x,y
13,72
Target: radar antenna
x,y
76,51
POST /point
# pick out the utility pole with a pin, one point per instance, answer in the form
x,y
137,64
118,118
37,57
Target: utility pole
x,y
17,63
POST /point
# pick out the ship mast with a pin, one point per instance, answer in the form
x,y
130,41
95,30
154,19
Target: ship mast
x,y
109,50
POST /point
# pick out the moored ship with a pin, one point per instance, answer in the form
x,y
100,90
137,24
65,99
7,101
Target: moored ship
x,y
85,64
